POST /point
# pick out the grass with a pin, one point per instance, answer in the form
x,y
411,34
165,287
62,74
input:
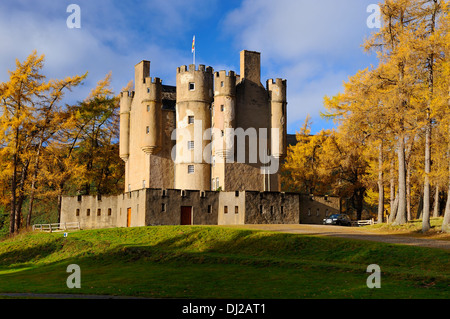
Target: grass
x,y
216,262
413,228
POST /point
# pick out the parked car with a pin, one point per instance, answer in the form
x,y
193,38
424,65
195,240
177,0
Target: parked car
x,y
338,219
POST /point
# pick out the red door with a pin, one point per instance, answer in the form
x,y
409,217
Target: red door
x,y
186,215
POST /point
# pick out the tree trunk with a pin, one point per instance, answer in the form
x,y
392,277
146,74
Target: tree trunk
x,y
420,208
12,218
426,186
446,221
408,191
21,196
33,185
394,209
380,185
401,212
437,206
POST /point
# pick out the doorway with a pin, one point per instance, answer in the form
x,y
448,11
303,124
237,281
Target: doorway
x,y
186,215
129,217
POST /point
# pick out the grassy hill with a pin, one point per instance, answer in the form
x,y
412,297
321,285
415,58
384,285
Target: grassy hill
x,y
215,262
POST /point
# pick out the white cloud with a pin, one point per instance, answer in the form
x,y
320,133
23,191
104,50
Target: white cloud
x,y
314,45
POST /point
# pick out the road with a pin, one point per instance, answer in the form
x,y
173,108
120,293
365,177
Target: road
x,y
350,232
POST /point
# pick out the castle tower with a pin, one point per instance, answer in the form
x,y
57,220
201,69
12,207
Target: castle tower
x,y
151,104
193,119
278,101
224,112
126,98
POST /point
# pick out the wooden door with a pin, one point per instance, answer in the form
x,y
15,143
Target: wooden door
x,y
129,217
186,215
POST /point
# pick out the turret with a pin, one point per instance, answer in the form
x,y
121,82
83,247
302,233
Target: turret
x,y
151,111
224,111
278,100
126,98
194,98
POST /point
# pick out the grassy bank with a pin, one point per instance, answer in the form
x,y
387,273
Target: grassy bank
x,y
215,262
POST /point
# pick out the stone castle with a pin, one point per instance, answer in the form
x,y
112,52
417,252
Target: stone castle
x,y
207,151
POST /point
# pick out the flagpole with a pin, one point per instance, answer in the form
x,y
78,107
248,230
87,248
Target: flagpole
x,y
193,47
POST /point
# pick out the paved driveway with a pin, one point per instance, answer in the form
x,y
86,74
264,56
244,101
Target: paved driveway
x,y
350,232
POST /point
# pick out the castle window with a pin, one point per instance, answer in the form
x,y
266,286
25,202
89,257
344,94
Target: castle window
x,y
309,211
236,209
190,169
148,108
282,210
78,212
225,209
209,209
88,212
317,212
148,90
217,183
99,212
222,133
191,86
163,207
260,209
222,108
109,211
190,145
190,120
148,129
221,84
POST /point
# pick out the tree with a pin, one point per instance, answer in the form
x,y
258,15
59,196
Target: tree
x,y
29,108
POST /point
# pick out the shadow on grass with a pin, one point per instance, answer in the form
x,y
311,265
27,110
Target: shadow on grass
x,y
230,255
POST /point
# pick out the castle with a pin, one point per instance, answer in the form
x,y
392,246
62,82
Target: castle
x,y
207,151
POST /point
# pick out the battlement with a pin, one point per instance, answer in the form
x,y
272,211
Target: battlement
x,y
277,89
127,94
223,74
193,68
150,80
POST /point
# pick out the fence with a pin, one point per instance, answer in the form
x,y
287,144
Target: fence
x,y
57,227
363,222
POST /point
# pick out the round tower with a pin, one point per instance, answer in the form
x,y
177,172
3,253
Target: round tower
x,y
224,112
151,112
126,98
193,118
278,100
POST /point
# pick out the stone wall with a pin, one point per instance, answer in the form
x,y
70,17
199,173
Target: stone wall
x,y
315,208
164,206
271,208
90,211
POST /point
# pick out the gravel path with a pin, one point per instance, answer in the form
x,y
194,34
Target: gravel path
x,y
352,233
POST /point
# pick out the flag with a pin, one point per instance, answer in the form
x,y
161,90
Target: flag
x,y
193,44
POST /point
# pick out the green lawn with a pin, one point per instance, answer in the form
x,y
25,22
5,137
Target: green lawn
x,y
215,262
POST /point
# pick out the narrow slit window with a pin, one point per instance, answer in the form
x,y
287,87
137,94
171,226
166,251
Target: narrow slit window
x,y
191,169
99,212
191,86
236,209
225,209
109,211
78,212
88,212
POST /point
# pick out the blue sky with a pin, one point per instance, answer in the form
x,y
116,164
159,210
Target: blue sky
x,y
315,45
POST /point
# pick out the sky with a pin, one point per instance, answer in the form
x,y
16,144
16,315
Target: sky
x,y
314,45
